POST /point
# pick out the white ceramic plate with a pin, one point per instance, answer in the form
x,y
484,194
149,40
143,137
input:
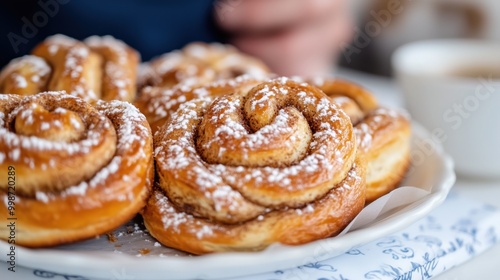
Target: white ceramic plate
x,y
135,254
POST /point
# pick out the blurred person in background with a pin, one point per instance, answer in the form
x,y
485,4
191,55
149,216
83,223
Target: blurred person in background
x,y
294,37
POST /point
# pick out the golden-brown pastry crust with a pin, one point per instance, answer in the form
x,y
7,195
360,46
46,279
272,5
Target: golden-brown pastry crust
x,y
240,158
383,134
25,75
323,218
45,164
104,198
343,88
99,68
158,103
198,64
384,139
120,65
174,78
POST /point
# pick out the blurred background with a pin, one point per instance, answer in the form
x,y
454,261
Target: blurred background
x,y
292,36
417,20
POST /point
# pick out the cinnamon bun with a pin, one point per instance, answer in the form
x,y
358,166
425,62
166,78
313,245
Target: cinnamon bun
x,y
181,75
80,170
158,104
198,64
98,68
275,162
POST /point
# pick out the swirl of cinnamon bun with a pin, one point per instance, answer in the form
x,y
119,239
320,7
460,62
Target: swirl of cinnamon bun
x,y
98,68
158,103
80,170
198,64
383,134
241,162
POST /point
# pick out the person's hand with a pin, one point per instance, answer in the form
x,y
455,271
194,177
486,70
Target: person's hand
x,y
294,37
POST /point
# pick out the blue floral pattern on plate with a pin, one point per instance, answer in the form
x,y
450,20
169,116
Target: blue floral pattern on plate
x,y
53,275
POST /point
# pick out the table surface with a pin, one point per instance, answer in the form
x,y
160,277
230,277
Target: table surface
x,y
486,264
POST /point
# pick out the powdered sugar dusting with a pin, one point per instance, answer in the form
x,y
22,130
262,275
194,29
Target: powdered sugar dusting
x,y
117,75
75,53
118,47
219,184
376,120
36,66
198,64
128,123
163,102
13,141
173,220
75,73
179,156
232,136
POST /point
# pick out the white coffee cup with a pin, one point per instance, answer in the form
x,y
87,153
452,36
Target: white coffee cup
x,y
441,90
